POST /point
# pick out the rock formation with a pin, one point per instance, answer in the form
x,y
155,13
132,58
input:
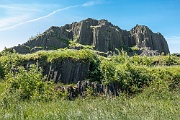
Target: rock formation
x,y
81,89
65,71
103,35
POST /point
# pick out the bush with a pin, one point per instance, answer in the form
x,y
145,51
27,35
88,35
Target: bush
x,y
130,77
28,84
1,72
107,69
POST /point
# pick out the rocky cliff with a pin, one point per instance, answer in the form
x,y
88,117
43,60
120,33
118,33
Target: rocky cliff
x,y
103,35
67,70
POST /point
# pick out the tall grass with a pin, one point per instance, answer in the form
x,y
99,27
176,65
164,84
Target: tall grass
x,y
153,82
140,107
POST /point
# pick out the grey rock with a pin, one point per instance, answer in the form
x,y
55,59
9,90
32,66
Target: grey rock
x,y
112,89
103,35
144,38
66,71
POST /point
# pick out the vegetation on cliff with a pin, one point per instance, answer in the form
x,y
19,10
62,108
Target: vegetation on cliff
x,y
148,86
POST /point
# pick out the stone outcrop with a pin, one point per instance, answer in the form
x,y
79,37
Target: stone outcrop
x,y
65,71
95,88
144,37
103,35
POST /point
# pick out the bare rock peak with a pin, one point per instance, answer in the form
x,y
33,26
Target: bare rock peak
x,y
101,33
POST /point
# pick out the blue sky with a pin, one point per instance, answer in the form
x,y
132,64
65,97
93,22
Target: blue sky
x,y
21,19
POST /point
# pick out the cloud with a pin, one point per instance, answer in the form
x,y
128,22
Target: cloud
x,y
87,4
10,20
39,18
173,39
16,13
19,7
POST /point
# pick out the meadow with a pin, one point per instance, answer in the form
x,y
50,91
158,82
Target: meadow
x,y
149,88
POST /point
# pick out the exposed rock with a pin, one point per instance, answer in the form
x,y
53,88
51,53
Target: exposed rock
x,y
147,52
65,71
103,35
53,38
144,37
81,88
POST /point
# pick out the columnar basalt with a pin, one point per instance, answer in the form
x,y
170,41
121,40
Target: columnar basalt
x,y
103,35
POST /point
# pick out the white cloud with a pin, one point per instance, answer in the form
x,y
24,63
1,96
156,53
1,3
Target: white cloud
x,y
173,39
16,13
19,7
39,18
89,4
6,25
10,20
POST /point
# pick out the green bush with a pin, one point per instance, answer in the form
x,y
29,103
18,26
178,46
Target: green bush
x,y
28,84
131,78
1,72
107,69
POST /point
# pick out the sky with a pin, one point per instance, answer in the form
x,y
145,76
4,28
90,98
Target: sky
x,y
22,19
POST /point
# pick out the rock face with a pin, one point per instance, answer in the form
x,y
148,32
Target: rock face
x,y
103,35
81,89
65,71
144,37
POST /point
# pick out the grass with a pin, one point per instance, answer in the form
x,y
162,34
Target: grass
x,y
2,86
148,105
159,98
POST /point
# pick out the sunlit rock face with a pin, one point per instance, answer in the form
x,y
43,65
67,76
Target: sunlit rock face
x,y
103,35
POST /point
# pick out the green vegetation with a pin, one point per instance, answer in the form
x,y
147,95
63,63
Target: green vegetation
x,y
34,37
27,85
64,40
75,44
149,87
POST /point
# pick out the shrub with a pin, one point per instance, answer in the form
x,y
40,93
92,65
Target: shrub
x,y
107,69
132,78
1,72
28,84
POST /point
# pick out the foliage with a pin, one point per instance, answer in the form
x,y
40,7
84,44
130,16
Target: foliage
x,y
1,72
134,48
34,37
143,60
143,106
74,44
61,54
9,60
28,84
94,71
149,87
130,77
66,41
136,72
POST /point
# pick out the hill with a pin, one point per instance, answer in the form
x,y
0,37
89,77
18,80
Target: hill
x,y
101,34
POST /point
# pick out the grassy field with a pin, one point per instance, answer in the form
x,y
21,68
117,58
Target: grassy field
x,y
149,88
145,106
